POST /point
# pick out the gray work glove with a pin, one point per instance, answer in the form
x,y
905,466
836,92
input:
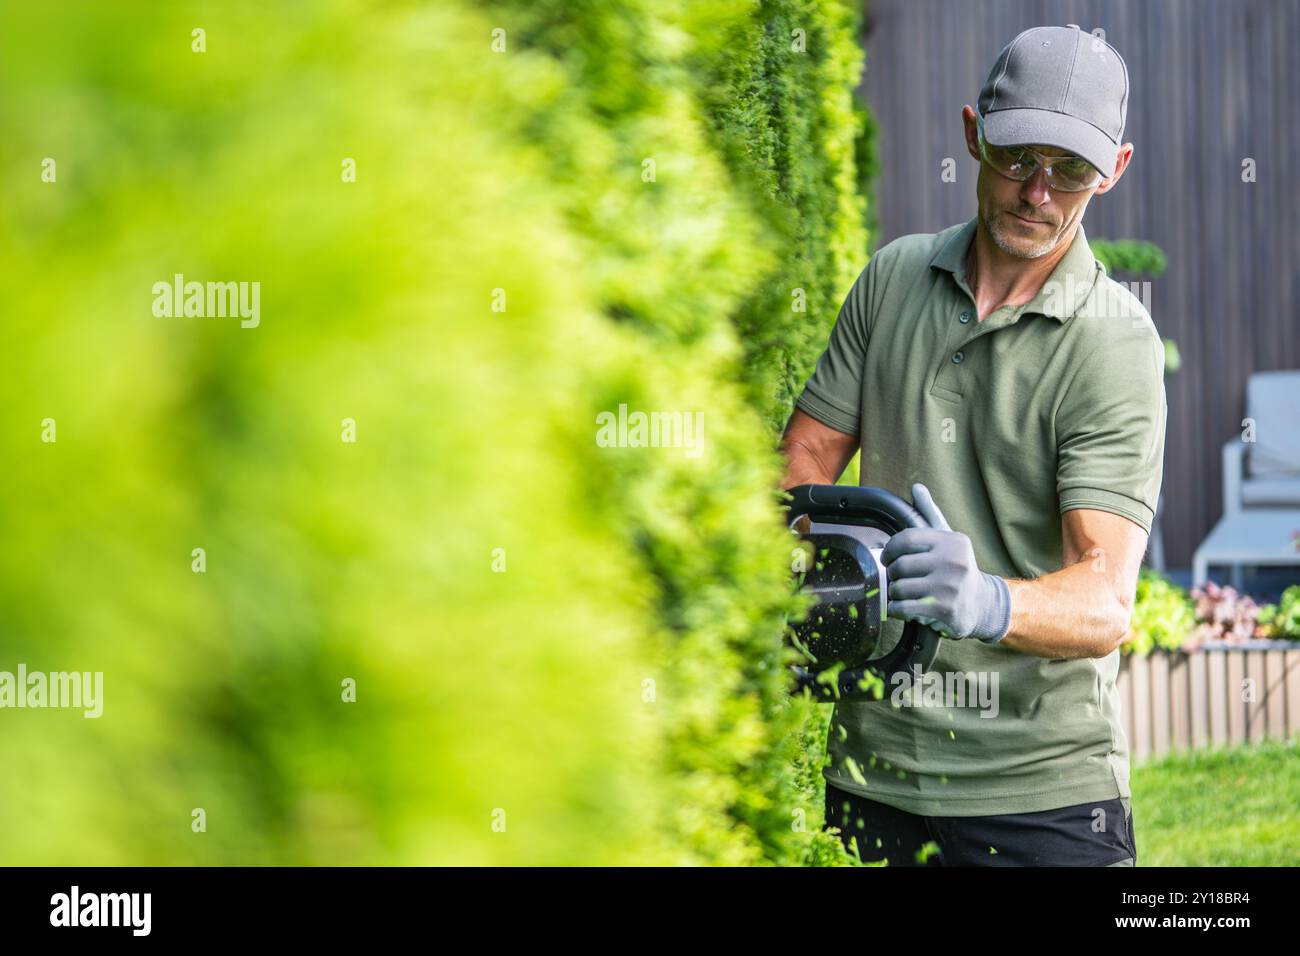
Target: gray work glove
x,y
933,579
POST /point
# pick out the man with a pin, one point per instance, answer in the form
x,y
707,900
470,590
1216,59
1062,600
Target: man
x,y
995,372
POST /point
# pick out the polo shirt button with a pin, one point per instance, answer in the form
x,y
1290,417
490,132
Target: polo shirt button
x,y
956,358
964,318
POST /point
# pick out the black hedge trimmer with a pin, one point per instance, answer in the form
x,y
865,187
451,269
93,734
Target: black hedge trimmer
x,y
847,527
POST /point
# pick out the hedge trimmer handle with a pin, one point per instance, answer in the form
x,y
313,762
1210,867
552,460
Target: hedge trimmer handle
x,y
852,589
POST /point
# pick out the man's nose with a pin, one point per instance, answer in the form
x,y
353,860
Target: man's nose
x,y
1035,190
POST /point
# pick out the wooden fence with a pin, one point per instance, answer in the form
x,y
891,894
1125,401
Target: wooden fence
x,y
1222,694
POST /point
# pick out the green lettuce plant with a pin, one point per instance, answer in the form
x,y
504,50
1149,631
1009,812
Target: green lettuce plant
x,y
1162,615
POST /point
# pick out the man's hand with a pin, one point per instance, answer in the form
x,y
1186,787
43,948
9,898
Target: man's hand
x,y
933,579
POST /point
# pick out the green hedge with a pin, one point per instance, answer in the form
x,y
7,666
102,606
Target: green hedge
x,y
613,691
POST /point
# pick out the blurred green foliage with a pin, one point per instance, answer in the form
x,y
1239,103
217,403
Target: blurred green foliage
x,y
1163,615
1173,358
1281,621
1134,257
615,694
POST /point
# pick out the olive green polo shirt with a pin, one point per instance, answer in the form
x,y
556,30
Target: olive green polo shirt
x,y
1010,422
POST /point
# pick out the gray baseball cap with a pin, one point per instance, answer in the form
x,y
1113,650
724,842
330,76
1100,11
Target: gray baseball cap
x,y
1058,86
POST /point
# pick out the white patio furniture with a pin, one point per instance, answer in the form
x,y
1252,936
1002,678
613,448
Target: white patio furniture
x,y
1248,537
1261,483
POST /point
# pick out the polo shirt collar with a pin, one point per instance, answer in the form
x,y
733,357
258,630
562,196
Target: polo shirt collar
x,y
1064,292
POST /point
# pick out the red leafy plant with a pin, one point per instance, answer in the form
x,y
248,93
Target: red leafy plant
x,y
1222,614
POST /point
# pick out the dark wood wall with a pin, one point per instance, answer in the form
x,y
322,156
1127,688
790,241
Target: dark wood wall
x,y
1211,83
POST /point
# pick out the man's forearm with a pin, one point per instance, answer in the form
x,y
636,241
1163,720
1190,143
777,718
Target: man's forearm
x,y
1072,613
803,466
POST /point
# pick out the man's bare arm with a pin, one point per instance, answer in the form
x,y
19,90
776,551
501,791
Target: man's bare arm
x,y
815,454
1084,609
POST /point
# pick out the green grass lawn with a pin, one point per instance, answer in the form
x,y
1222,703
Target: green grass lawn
x,y
1224,807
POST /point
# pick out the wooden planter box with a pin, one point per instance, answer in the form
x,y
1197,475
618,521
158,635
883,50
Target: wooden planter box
x,y
1177,701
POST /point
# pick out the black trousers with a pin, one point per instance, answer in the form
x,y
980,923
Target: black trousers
x,y
1067,836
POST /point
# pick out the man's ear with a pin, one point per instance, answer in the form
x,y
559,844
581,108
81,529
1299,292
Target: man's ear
x,y
972,132
1121,164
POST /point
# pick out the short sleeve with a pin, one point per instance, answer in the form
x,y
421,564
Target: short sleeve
x,y
833,393
1110,429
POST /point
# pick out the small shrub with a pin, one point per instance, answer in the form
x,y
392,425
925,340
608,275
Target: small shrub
x,y
1281,621
1222,614
1136,257
1162,615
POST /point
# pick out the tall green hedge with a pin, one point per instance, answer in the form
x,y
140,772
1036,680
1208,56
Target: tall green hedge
x,y
562,652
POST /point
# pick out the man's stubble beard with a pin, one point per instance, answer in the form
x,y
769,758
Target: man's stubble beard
x,y
1013,245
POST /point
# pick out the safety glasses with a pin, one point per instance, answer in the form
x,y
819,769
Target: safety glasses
x,y
1068,174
